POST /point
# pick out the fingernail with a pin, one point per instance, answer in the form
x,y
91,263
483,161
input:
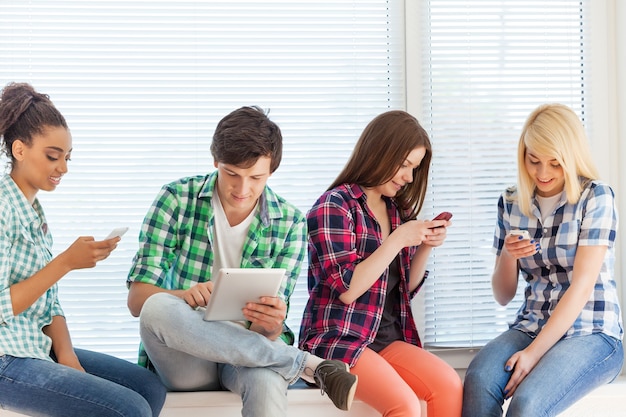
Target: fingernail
x,y
507,368
506,391
520,237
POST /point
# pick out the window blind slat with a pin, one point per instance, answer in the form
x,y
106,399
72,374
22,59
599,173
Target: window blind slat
x,y
143,84
488,65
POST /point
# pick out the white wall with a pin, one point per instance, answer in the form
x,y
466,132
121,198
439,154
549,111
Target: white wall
x,y
619,15
609,110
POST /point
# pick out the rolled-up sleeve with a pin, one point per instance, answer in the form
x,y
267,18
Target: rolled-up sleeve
x,y
157,241
333,236
6,305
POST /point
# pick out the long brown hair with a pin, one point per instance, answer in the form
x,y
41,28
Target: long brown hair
x,y
381,150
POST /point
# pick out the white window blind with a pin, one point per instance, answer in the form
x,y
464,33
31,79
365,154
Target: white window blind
x,y
486,66
142,85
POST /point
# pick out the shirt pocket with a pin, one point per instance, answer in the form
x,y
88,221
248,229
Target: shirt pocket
x,y
263,261
566,241
30,254
26,237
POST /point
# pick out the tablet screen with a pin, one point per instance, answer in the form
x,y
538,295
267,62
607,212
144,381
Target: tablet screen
x,y
234,287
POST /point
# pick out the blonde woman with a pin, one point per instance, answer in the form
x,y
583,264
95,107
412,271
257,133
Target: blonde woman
x,y
566,339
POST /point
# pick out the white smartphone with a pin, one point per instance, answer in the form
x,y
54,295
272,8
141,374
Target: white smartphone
x,y
523,233
117,232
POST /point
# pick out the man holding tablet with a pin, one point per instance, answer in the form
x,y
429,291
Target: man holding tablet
x,y
229,218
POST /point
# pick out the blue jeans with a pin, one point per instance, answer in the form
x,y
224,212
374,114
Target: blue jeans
x,y
191,354
568,371
109,387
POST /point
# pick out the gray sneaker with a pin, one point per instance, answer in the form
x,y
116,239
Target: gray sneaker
x,y
334,378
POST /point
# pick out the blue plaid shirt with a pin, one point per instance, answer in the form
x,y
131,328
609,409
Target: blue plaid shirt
x,y
25,248
592,221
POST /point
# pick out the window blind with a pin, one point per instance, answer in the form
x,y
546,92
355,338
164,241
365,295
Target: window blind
x,y
486,66
142,85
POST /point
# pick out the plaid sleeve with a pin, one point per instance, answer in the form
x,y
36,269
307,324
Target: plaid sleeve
x,y
291,257
292,254
6,306
56,307
599,222
157,241
332,239
502,224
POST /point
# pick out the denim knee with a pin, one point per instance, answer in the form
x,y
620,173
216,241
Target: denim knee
x,y
157,307
524,403
263,391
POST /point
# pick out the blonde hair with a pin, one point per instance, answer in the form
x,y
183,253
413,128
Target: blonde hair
x,y
555,130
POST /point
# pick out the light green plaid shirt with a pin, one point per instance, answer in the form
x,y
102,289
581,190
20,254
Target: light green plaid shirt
x,y
176,239
25,248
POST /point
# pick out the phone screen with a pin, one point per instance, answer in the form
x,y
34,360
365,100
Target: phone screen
x,y
117,232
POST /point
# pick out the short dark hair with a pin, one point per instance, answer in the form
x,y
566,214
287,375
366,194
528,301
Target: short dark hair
x,y
24,113
245,135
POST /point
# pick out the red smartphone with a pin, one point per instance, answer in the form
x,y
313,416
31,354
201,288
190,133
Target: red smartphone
x,y
444,215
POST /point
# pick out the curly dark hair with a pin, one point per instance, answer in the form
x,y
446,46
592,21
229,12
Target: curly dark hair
x,y
24,113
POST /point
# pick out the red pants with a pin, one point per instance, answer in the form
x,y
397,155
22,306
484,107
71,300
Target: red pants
x,y
394,380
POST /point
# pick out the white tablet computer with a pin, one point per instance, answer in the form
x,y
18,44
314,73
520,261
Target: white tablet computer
x,y
234,287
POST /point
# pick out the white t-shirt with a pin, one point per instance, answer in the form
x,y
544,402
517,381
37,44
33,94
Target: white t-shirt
x,y
228,239
547,205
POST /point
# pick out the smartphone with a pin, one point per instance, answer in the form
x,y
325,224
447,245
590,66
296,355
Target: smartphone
x,y
117,232
523,233
444,215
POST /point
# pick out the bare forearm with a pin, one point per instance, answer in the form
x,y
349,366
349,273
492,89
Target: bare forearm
x,y
505,277
369,270
418,266
26,292
139,292
58,332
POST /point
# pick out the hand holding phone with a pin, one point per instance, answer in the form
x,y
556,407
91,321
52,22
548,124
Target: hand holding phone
x,y
444,215
117,232
523,233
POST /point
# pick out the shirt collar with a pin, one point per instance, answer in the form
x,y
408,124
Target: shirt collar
x,y
269,204
28,213
357,192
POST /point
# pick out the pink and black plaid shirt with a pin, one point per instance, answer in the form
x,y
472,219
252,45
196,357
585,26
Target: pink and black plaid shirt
x,y
342,233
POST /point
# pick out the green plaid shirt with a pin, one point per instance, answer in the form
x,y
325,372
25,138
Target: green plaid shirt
x,y
176,239
25,248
